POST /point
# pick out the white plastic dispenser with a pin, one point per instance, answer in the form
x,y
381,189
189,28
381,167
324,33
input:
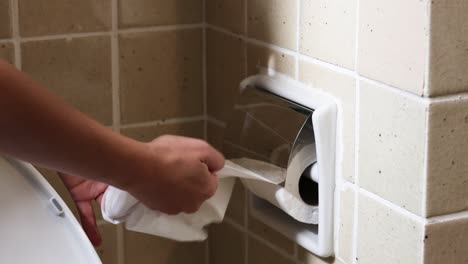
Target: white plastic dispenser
x,y
290,126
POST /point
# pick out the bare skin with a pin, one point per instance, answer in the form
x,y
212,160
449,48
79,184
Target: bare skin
x,y
170,174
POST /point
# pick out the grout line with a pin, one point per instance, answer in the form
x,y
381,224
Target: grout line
x,y
165,122
66,36
115,68
216,122
427,68
16,33
116,109
298,33
356,164
448,217
114,30
224,125
204,67
162,28
6,41
205,104
354,245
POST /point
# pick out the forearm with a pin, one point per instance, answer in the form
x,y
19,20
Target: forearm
x,y
38,127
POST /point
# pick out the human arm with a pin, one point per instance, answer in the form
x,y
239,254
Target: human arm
x,y
170,174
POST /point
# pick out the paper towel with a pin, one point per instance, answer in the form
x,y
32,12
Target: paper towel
x,y
264,179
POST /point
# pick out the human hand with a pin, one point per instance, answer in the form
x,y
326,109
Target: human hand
x,y
177,174
83,192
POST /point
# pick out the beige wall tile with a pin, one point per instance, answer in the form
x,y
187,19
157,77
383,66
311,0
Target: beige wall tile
x,y
160,75
445,242
392,145
134,13
259,253
107,251
7,52
343,88
393,42
78,70
148,133
225,70
308,258
447,163
386,236
5,25
228,14
346,225
227,244
237,204
270,235
328,31
45,17
273,21
215,135
259,57
448,72
146,249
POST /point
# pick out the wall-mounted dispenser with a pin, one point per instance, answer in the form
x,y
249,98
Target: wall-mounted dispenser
x,y
292,127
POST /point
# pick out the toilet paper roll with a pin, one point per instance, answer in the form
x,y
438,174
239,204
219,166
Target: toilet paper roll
x,y
286,198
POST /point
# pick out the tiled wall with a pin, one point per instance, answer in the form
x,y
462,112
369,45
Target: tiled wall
x,y
136,66
399,72
397,68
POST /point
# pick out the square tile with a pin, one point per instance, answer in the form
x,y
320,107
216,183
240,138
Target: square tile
x,y
273,21
5,20
71,16
259,57
393,42
228,14
107,251
227,244
225,70
392,139
328,31
160,75
386,236
148,133
137,13
215,135
448,55
237,205
343,88
270,235
447,163
7,52
346,225
78,70
259,253
146,249
445,242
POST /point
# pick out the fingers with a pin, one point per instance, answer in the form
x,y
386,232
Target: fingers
x,y
88,222
212,158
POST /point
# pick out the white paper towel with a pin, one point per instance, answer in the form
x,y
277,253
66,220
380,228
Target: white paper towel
x,y
262,178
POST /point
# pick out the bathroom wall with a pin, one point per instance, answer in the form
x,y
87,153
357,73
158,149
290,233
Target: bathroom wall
x,y
135,66
397,68
399,72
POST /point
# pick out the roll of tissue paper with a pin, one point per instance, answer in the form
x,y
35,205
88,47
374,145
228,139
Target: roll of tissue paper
x,y
262,178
